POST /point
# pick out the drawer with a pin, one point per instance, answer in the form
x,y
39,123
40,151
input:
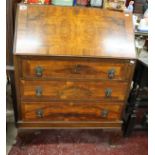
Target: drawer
x,y
107,69
73,90
71,111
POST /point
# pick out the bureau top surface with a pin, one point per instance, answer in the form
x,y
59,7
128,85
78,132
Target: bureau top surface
x,y
73,31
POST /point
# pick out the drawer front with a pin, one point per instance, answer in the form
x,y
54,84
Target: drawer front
x,y
71,111
73,90
76,69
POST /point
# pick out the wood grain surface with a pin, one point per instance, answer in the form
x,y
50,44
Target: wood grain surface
x,y
71,111
73,31
73,90
111,125
76,68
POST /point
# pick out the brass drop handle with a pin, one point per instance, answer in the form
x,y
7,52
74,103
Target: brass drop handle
x,y
111,73
104,113
39,113
39,71
108,92
39,91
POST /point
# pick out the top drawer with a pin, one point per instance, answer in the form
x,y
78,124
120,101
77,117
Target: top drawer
x,y
55,68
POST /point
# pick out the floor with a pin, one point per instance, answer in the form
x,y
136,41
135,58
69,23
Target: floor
x,y
78,142
11,132
10,136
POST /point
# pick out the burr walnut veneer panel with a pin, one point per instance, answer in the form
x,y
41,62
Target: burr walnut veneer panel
x,y
73,90
71,111
87,68
73,31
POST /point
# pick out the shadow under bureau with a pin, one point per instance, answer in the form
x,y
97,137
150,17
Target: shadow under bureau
x,y
73,67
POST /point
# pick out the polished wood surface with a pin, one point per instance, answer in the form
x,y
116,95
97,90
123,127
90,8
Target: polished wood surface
x,y
66,97
116,125
76,68
73,31
73,90
71,111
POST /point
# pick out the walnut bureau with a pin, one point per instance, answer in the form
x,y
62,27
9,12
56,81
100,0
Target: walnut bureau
x,y
73,66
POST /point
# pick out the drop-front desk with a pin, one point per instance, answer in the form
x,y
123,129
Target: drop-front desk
x,y
73,66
